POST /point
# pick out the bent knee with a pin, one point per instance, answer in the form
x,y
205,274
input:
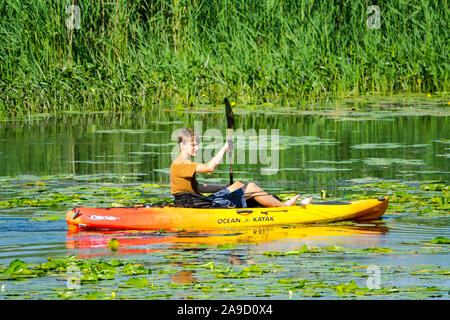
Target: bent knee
x,y
238,184
252,187
235,186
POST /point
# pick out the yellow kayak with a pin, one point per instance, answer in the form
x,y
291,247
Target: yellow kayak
x,y
169,218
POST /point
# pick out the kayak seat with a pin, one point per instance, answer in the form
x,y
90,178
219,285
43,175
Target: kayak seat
x,y
192,200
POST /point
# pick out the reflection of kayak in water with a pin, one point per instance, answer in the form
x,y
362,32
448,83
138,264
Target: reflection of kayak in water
x,y
94,244
142,218
262,235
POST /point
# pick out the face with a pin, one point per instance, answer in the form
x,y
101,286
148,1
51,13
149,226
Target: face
x,y
190,147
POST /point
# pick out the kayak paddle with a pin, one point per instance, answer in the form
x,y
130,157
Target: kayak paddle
x,y
230,123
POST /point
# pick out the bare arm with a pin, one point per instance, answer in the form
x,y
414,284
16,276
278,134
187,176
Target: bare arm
x,y
214,162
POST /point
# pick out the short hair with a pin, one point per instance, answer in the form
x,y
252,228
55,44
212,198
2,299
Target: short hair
x,y
186,133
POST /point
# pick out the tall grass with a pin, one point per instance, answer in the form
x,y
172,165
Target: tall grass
x,y
128,54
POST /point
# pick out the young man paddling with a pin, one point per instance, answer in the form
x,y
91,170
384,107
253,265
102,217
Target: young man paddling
x,y
183,170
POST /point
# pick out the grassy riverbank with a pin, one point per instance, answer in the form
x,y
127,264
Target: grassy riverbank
x,y
126,55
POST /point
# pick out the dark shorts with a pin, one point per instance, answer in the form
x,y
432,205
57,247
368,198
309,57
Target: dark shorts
x,y
225,198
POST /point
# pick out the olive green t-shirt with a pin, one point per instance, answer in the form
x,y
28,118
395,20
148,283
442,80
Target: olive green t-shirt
x,y
182,177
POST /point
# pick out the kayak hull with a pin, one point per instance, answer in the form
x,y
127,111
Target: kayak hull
x,y
148,218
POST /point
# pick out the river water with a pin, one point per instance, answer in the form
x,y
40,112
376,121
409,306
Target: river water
x,y
47,157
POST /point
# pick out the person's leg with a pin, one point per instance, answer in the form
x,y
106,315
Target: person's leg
x,y
231,196
252,190
235,186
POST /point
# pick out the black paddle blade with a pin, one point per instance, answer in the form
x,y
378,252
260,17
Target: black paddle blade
x,y
229,114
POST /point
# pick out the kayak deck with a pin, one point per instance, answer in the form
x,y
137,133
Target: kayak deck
x,y
147,218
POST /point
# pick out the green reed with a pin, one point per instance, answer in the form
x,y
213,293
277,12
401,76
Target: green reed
x,y
129,54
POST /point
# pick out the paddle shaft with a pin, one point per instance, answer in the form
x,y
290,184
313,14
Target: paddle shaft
x,y
230,158
230,123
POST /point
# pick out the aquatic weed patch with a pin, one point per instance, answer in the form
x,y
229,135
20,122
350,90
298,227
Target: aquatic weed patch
x,y
229,270
52,196
62,192
428,199
421,247
228,273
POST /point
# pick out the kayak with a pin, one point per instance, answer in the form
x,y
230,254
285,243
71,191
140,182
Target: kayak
x,y
176,218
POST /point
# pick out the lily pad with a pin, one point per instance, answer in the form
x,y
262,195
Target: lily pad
x,y
347,287
327,169
440,240
136,283
377,146
393,161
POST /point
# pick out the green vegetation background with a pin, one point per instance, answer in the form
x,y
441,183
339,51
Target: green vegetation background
x,y
128,54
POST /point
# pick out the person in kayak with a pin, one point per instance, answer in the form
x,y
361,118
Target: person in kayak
x,y
183,180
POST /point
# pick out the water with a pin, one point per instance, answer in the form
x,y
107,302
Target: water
x,y
98,156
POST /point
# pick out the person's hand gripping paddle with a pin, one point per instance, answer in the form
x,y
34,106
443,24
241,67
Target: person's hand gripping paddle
x,y
230,123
